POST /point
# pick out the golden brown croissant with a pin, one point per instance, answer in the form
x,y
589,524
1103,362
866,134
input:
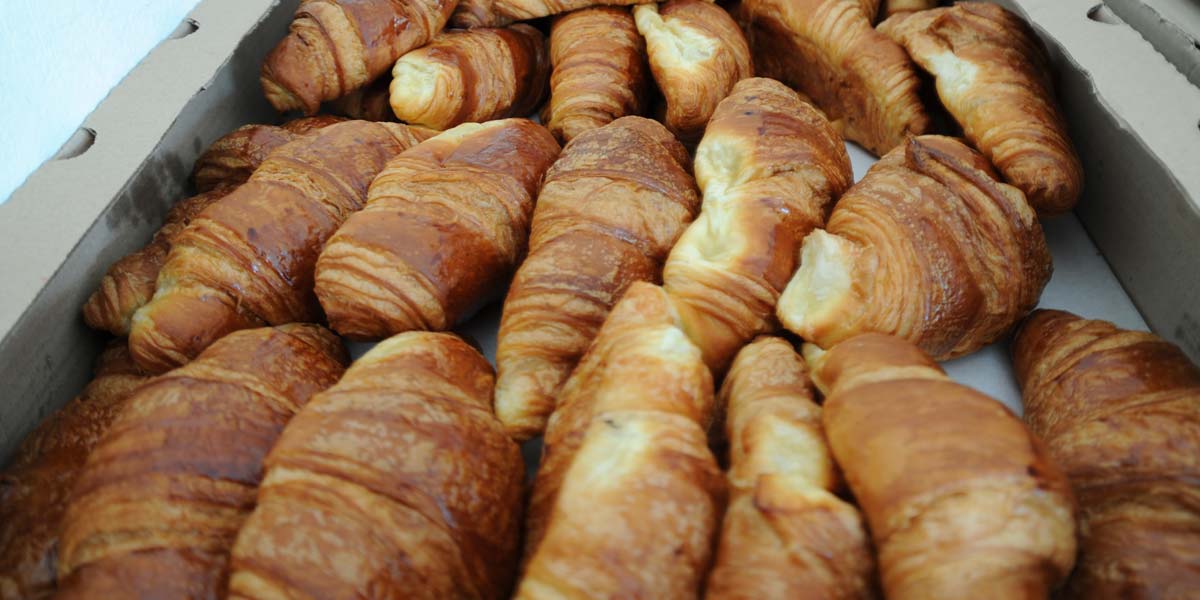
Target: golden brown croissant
x,y
828,50
785,535
249,259
1120,411
471,76
161,498
770,166
628,495
396,482
696,53
994,78
445,225
130,282
891,7
928,247
371,103
307,125
34,487
337,46
233,157
497,13
599,71
962,500
607,215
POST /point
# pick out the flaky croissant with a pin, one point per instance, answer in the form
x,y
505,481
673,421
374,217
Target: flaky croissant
x,y
929,247
769,166
471,76
248,260
35,486
608,213
628,496
334,47
994,78
962,500
399,477
891,7
162,496
234,156
828,50
497,13
599,71
371,103
696,53
1120,411
785,534
445,224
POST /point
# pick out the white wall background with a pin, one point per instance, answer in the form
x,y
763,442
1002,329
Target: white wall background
x,y
58,59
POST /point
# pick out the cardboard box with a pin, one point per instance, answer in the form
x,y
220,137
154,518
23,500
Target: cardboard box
x,y
111,188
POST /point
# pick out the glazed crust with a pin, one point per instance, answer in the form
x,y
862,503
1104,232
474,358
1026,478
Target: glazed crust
x,y
828,50
628,496
497,13
769,166
337,46
445,225
1120,411
401,477
599,71
608,213
35,486
234,156
248,260
994,78
962,500
160,499
959,256
785,534
471,77
696,53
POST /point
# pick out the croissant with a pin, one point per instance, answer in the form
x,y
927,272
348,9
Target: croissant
x,y
696,53
891,7
307,125
962,500
628,495
371,103
445,225
34,487
399,477
770,166
232,158
607,215
785,534
249,259
497,13
130,282
156,508
1120,411
994,78
471,76
599,72
334,47
828,50
928,247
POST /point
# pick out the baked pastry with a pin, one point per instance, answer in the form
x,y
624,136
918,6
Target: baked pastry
x,y
599,71
248,260
234,156
785,534
35,485
608,213
130,282
497,13
891,7
471,76
930,247
628,496
696,53
770,166
307,125
399,477
334,47
161,498
993,76
962,500
371,103
1120,411
828,50
445,225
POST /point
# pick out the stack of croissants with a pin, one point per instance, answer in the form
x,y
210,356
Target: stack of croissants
x,y
691,447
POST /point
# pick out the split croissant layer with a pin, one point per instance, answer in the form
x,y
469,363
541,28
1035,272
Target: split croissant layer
x,y
608,213
396,482
962,500
1120,411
